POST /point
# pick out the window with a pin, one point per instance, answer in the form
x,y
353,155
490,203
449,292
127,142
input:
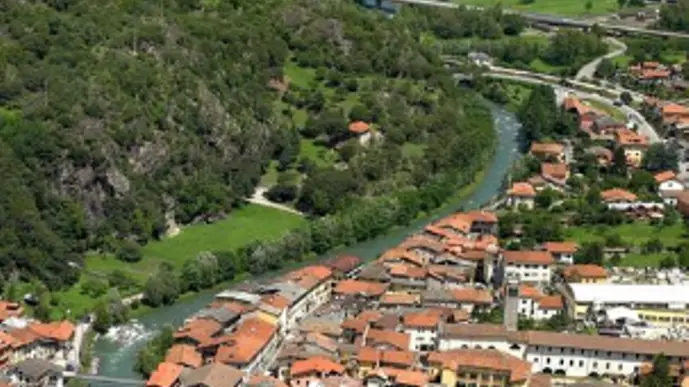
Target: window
x,y
595,364
547,360
571,363
581,363
619,367
607,366
562,361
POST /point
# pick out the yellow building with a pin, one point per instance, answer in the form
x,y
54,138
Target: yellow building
x,y
479,367
588,274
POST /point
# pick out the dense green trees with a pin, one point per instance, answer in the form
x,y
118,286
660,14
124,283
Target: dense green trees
x,y
661,157
674,17
154,351
114,115
541,118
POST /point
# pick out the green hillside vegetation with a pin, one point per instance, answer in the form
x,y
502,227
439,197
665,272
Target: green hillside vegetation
x,y
118,114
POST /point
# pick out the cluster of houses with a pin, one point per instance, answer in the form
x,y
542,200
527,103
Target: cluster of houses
x,y
673,118
26,343
555,172
654,73
410,318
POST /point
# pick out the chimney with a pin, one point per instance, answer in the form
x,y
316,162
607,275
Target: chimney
x,y
511,310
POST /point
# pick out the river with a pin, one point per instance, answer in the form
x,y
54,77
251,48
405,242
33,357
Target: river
x,y
117,360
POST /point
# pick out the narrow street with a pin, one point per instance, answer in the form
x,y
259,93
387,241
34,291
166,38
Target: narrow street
x,y
589,69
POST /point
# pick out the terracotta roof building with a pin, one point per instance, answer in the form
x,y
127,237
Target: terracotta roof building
x,y
585,273
360,288
528,266
476,366
559,172
213,375
548,151
184,355
359,127
344,263
251,339
563,252
664,176
521,194
166,375
617,195
316,367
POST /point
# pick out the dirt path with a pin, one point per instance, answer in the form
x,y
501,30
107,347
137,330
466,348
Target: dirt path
x,y
259,198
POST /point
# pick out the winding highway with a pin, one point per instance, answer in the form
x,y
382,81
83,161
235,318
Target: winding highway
x,y
643,126
558,20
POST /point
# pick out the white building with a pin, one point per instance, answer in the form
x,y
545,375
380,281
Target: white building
x,y
656,304
563,252
528,266
521,195
668,190
537,306
571,355
422,328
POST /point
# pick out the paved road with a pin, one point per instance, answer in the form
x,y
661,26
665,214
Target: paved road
x,y
557,20
643,126
589,69
259,198
613,92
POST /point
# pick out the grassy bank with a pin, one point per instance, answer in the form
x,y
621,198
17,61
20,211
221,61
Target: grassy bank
x,y
242,226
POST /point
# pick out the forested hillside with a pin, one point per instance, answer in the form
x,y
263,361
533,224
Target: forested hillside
x,y
114,114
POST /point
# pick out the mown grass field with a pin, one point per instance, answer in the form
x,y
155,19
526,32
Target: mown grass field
x,y
554,7
636,234
242,226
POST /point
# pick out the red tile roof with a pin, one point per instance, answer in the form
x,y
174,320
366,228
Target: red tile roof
x,y
399,298
559,171
522,189
344,263
550,302
617,194
165,375
316,365
58,331
252,335
407,271
276,301
472,296
629,137
403,377
199,330
425,319
10,309
354,287
358,127
664,176
529,257
585,271
398,340
519,369
561,247
400,254
543,148
184,355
